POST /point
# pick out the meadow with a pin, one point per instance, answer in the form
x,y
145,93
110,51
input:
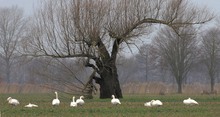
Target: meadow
x,y
132,106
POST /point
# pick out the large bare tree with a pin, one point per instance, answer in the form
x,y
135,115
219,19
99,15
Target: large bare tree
x,y
210,53
98,29
12,27
177,49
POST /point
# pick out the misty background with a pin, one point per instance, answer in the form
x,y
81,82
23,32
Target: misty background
x,y
138,68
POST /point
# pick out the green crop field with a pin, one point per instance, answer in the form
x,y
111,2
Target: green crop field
x,y
132,106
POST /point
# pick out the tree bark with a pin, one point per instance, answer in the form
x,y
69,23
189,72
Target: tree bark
x,y
179,88
8,72
109,83
212,83
179,83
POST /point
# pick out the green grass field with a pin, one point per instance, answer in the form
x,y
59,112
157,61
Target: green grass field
x,y
132,106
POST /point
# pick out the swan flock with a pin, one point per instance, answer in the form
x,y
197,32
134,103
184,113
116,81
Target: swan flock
x,y
80,102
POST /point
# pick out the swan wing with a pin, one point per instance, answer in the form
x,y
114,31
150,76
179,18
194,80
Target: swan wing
x,y
28,106
190,102
194,102
55,102
80,101
115,101
73,104
34,105
118,101
186,102
156,103
148,104
159,103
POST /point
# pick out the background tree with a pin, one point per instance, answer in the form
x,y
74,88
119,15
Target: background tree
x,y
210,53
12,27
99,30
144,59
178,51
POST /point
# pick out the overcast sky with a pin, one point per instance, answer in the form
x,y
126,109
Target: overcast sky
x,y
27,5
213,5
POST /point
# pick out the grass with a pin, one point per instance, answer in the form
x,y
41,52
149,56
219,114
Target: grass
x,y
132,106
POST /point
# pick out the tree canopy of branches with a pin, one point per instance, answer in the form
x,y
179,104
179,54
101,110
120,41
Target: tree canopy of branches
x,y
96,30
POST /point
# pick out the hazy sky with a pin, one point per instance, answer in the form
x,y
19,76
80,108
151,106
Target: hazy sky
x,y
211,4
28,4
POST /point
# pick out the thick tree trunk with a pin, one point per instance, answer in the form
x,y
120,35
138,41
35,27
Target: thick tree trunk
x,y
109,83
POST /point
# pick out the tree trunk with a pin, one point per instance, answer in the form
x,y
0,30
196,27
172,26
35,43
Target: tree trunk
x,y
8,79
179,83
109,83
179,88
212,83
8,72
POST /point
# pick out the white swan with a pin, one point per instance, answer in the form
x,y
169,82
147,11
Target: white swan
x,y
56,101
31,105
153,103
190,101
156,103
80,101
115,101
73,103
13,102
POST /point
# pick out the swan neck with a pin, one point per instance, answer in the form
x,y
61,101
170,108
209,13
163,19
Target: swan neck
x,y
56,96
